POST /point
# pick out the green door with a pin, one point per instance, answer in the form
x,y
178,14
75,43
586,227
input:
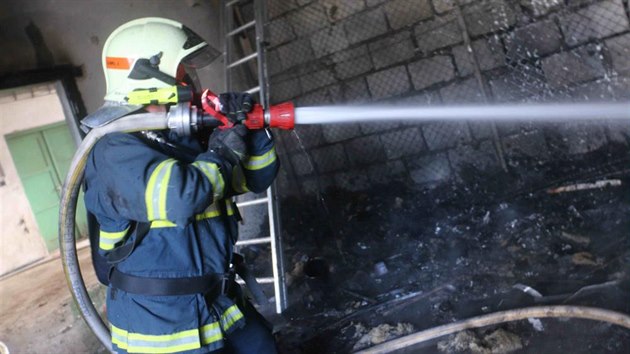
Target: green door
x,y
42,159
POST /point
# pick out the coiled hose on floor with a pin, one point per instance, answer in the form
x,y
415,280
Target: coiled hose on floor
x,y
67,210
589,313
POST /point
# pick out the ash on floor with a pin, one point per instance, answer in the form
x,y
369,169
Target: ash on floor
x,y
432,256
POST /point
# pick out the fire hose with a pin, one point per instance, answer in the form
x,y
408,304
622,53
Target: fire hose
x,y
186,119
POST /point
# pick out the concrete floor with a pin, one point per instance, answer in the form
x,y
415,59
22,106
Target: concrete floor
x,y
38,315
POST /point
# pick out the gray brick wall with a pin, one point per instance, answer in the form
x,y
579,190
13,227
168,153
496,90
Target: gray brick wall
x,y
280,31
467,91
441,135
378,127
427,72
352,62
325,52
366,25
337,133
518,84
442,6
316,79
279,7
403,143
541,7
579,65
356,91
308,19
337,10
330,158
402,13
295,53
619,49
596,21
365,150
285,90
353,181
533,41
301,164
487,52
481,157
329,40
441,32
488,16
392,49
389,82
526,145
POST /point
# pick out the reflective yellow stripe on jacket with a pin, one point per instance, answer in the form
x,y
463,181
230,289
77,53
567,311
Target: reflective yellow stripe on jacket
x,y
230,316
167,343
261,161
157,188
180,341
211,212
211,171
108,240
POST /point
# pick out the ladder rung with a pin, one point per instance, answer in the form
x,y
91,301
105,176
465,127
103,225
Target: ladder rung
x,y
268,280
242,28
252,202
242,60
253,90
254,241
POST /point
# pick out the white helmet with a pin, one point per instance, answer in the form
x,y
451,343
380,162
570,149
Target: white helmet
x,y
146,54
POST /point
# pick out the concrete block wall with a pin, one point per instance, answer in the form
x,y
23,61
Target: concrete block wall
x,y
442,52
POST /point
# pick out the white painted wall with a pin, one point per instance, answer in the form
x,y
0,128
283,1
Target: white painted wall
x,y
21,109
74,31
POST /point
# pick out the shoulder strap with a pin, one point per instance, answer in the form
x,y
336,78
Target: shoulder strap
x,y
119,254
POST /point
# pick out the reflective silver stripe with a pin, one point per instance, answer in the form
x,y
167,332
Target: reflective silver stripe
x,y
211,333
155,195
107,240
160,345
262,161
211,171
119,337
106,244
230,317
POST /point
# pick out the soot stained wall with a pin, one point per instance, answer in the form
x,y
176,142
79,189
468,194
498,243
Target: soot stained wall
x,y
432,52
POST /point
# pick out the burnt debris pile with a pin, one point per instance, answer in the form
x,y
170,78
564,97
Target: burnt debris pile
x,y
364,267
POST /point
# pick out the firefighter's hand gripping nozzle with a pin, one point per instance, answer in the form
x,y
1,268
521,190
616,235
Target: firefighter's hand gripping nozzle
x,y
277,116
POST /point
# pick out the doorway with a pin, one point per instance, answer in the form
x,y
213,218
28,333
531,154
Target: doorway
x,y
42,158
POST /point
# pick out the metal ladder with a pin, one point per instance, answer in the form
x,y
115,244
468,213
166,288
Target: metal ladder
x,y
231,11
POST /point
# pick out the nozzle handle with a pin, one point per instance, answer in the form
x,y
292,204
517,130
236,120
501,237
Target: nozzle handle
x,y
277,116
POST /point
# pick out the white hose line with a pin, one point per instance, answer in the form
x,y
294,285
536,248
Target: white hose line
x,y
67,211
589,313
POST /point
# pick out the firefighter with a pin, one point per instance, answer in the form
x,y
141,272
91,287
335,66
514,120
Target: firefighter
x,y
166,223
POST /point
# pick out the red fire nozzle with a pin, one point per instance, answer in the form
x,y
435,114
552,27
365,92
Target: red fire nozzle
x,y
280,116
277,116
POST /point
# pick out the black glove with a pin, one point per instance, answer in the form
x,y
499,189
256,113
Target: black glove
x,y
229,143
236,105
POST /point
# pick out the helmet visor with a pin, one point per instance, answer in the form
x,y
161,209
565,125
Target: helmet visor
x,y
201,57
